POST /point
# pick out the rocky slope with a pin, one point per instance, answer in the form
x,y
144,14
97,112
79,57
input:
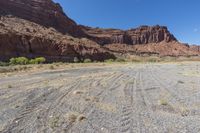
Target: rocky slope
x,y
159,49
40,28
43,12
19,37
195,48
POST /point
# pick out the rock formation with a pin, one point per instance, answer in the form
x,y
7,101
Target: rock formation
x,y
195,48
43,12
19,37
141,35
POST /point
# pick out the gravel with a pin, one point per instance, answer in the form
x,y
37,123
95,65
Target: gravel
x,y
129,98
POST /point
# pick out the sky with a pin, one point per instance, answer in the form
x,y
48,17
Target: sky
x,y
182,17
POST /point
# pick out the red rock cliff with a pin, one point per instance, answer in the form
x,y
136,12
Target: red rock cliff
x,y
43,12
141,35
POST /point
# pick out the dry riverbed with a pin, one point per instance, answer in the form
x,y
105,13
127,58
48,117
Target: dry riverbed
x,y
102,98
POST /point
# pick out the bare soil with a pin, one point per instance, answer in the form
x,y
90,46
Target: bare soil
x,y
115,98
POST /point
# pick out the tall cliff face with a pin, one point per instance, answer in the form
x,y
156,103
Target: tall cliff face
x,y
43,12
141,35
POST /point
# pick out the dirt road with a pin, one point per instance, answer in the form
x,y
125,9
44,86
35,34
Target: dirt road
x,y
129,98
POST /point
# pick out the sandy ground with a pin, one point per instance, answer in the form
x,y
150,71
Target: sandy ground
x,y
129,98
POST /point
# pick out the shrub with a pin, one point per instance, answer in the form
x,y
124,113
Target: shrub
x,y
19,61
13,61
87,61
136,60
4,63
25,61
32,61
163,102
76,60
40,60
22,60
109,60
9,86
51,67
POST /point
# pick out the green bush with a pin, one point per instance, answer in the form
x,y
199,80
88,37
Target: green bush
x,y
25,61
19,61
40,60
32,61
87,61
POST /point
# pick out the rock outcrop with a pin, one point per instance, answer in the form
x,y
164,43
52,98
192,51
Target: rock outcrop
x,y
158,49
141,35
43,12
20,37
195,48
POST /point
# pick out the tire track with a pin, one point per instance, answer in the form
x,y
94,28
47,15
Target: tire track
x,y
127,122
174,98
102,93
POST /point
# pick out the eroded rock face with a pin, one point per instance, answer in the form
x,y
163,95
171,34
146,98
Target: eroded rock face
x,y
195,48
43,12
19,37
141,35
159,49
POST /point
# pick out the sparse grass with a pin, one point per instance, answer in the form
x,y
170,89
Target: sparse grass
x,y
72,117
51,67
109,60
9,86
87,61
180,82
163,102
40,66
92,99
120,60
14,69
78,92
54,121
106,107
191,73
75,116
4,63
81,117
184,112
136,60
130,81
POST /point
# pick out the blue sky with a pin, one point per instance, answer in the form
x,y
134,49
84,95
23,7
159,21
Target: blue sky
x,y
182,17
